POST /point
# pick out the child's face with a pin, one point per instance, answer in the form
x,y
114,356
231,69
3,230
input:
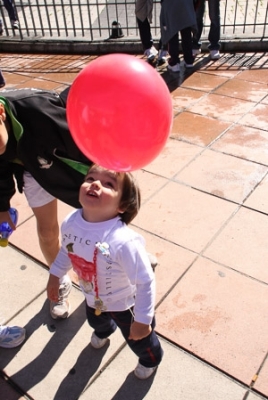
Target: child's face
x,y
3,130
100,194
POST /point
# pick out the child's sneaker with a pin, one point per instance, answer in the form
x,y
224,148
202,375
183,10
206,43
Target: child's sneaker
x,y
174,68
142,372
214,54
97,342
162,57
11,336
61,309
151,53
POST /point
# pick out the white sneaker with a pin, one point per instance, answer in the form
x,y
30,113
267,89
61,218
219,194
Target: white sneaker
x,y
151,53
214,54
142,372
61,309
188,65
162,56
195,52
97,342
174,68
15,24
11,336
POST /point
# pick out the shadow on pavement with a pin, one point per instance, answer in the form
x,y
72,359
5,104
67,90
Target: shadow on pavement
x,y
64,331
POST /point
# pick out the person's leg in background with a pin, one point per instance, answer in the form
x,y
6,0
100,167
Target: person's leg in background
x,y
143,12
186,44
200,11
173,49
162,52
12,13
146,39
215,28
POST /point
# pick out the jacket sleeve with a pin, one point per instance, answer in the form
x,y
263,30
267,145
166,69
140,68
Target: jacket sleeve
x,y
7,184
135,260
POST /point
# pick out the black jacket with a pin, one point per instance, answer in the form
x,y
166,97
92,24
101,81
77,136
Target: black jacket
x,y
45,138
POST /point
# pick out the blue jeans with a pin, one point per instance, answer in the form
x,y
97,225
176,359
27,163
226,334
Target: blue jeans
x,y
215,26
147,349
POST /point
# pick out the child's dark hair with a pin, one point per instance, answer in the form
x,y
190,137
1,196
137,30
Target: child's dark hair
x,y
131,198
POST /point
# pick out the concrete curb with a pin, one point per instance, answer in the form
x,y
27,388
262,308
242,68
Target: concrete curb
x,y
8,45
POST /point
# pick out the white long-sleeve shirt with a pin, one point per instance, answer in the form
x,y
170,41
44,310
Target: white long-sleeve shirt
x,y
124,274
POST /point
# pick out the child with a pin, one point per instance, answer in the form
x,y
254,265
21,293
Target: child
x,y
113,267
178,16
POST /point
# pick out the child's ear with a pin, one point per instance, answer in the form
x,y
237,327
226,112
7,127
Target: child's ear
x,y
2,113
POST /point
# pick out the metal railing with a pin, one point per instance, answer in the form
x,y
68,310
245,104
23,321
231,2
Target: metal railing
x,y
91,20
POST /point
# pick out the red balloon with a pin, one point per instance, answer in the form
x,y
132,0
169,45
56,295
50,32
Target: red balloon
x,y
119,112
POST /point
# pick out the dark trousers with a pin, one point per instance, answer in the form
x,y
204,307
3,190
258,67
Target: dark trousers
x,y
10,7
145,33
186,44
215,28
148,350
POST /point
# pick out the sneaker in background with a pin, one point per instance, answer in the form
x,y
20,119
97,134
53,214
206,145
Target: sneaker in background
x,y
174,68
151,53
61,309
97,342
195,52
188,65
162,57
11,336
214,54
2,80
142,372
15,24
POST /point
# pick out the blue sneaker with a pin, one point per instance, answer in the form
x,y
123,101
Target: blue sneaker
x,y
11,336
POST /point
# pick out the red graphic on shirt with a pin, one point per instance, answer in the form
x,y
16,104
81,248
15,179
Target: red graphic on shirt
x,y
84,269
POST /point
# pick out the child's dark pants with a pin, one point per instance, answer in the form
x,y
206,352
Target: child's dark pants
x,y
147,349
